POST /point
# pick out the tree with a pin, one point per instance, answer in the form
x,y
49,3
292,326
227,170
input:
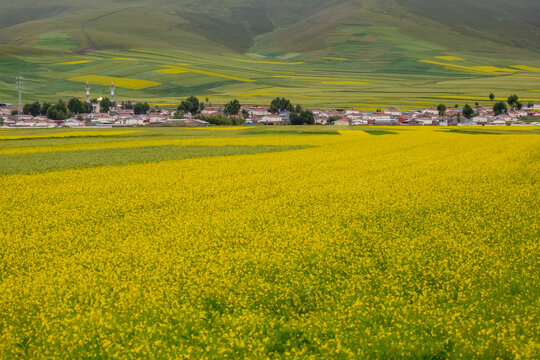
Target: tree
x,y
232,108
298,108
468,111
58,111
44,108
491,97
280,104
127,105
518,105
14,112
141,108
86,107
75,106
106,104
500,108
530,105
512,101
222,120
33,109
476,104
333,118
442,109
456,106
305,117
245,113
191,105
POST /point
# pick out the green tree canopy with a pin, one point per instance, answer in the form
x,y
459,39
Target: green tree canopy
x,y
500,108
442,109
141,108
468,111
44,107
280,104
191,105
305,117
512,100
58,111
106,104
76,106
33,109
232,108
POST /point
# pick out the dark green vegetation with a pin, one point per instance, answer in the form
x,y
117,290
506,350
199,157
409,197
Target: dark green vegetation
x,y
41,162
51,161
341,53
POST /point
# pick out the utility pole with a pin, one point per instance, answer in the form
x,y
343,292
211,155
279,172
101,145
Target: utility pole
x,y
20,89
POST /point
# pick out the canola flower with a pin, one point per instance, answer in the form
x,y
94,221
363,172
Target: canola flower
x,y
121,82
527,68
76,62
420,244
450,58
64,134
180,70
335,58
472,69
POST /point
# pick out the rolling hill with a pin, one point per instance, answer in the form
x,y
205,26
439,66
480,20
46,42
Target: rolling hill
x,y
350,42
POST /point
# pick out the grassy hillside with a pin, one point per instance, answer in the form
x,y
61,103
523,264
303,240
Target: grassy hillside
x,y
368,53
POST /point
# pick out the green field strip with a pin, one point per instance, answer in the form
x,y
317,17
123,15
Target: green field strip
x,y
46,162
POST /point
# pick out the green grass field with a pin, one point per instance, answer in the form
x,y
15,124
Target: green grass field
x,y
404,82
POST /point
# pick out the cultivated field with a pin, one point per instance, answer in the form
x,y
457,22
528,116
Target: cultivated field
x,y
268,242
166,77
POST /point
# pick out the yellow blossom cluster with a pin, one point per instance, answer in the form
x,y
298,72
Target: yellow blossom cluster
x,y
418,243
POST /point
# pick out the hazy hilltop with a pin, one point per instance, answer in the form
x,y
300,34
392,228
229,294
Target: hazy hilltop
x,y
274,26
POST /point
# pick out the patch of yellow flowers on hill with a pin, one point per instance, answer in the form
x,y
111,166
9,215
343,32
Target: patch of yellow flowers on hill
x,y
420,244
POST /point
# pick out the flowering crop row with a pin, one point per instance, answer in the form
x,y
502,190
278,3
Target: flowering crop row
x,y
419,244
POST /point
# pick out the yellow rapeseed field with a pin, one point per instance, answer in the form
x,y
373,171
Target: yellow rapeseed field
x,y
65,134
473,69
126,83
76,62
416,243
180,70
450,58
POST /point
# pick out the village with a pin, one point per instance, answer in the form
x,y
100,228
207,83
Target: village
x,y
125,115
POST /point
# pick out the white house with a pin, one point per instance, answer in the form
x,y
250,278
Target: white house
x,y
271,119
393,112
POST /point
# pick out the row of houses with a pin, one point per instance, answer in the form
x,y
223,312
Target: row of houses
x,y
260,114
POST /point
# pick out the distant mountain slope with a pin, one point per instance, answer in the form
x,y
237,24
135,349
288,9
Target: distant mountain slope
x,y
273,26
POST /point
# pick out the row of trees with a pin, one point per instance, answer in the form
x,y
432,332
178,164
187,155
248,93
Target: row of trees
x,y
62,110
499,107
468,111
57,111
192,105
